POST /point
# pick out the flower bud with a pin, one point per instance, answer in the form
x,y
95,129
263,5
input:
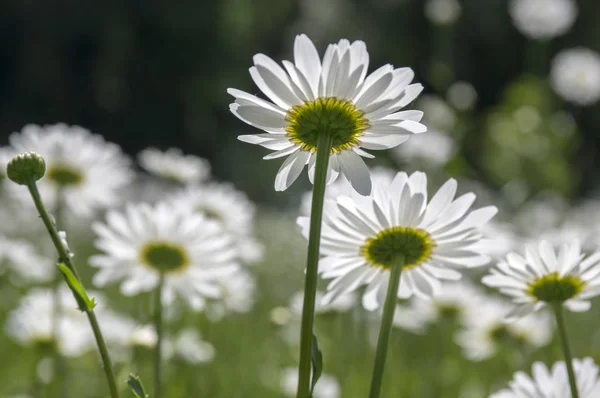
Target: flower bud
x,y
25,168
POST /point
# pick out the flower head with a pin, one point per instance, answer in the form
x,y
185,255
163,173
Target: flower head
x,y
543,19
32,323
545,277
173,165
25,168
223,203
89,170
552,383
485,331
575,75
145,241
362,237
333,96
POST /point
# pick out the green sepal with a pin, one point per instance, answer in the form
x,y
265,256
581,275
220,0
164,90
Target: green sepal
x,y
84,303
135,384
317,363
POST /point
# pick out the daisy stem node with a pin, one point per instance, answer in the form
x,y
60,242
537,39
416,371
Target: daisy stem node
x,y
65,258
562,332
385,329
158,324
312,261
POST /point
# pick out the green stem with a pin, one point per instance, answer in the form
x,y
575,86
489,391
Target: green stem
x,y
64,258
158,324
312,262
562,332
385,329
108,370
59,360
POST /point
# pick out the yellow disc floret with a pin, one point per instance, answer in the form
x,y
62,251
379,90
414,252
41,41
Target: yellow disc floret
x,y
555,288
413,244
338,117
164,257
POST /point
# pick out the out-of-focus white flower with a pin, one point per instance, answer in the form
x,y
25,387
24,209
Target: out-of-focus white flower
x,y
32,323
575,75
22,258
456,300
223,203
88,170
545,276
327,386
543,19
144,241
442,12
6,155
237,295
173,165
554,383
437,113
341,304
189,347
462,95
434,149
485,330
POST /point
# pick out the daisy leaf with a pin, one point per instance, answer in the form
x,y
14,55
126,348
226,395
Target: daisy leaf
x,y
135,384
317,363
84,303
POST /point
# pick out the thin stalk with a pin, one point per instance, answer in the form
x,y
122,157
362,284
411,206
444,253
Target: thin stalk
x,y
312,261
562,332
59,360
158,324
386,327
64,257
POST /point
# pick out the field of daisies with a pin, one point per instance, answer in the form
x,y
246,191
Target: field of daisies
x,y
406,268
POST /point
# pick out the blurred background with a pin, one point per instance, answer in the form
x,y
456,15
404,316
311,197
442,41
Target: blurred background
x,y
155,74
512,104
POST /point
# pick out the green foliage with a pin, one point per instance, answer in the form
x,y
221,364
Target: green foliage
x,y
84,303
135,384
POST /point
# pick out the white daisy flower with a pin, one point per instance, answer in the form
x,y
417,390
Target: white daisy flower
x,y
545,277
173,165
22,258
238,293
222,202
327,386
333,95
90,171
362,236
434,149
189,347
575,75
455,302
442,12
146,241
554,383
485,330
380,177
6,154
32,323
543,19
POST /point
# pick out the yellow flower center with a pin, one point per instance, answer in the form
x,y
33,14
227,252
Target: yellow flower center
x,y
414,244
64,175
554,288
164,257
338,117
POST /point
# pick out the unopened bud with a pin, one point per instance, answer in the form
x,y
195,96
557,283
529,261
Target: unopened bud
x,y
25,168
